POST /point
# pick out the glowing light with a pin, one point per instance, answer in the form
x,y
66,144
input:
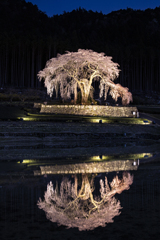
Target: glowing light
x,y
147,155
27,119
99,158
136,156
134,163
98,120
146,122
27,161
120,120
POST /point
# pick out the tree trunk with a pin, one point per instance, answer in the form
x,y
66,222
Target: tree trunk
x,y
76,184
32,70
13,66
85,94
84,99
6,67
75,93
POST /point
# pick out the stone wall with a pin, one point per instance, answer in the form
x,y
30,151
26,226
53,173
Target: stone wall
x,y
93,167
91,110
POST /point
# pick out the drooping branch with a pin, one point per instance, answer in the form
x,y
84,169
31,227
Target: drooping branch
x,y
74,208
78,70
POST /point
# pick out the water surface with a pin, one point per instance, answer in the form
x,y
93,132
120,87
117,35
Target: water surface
x,y
24,149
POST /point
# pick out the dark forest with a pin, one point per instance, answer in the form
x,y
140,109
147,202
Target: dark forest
x,y
28,38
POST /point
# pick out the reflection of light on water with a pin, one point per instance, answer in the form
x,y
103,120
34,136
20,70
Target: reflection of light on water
x,y
27,161
122,157
75,206
138,156
94,164
136,163
145,155
91,167
94,159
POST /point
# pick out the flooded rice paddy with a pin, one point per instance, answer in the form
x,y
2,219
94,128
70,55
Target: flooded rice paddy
x,y
33,155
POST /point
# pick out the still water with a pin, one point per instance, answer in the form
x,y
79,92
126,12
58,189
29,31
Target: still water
x,y
78,189
136,216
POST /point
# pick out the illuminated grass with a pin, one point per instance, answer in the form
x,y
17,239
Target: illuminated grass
x,y
74,118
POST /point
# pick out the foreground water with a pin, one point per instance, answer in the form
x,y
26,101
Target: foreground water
x,y
139,217
23,182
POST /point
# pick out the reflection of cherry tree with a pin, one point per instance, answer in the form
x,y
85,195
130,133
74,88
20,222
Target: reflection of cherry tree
x,y
79,208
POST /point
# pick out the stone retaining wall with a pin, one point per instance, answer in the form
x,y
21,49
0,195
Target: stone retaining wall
x,y
94,167
91,110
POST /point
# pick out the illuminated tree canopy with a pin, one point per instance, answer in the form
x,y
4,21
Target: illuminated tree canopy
x,y
77,70
75,207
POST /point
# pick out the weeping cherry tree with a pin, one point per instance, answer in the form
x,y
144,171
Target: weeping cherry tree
x,y
77,70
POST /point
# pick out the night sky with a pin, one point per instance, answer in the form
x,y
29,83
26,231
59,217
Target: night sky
x,y
53,7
